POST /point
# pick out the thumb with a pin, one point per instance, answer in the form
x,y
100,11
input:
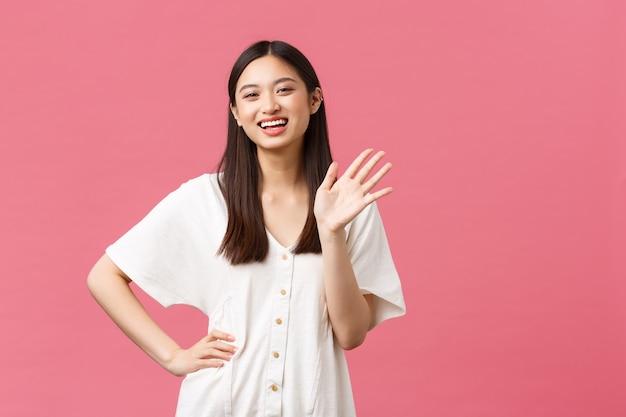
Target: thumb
x,y
331,176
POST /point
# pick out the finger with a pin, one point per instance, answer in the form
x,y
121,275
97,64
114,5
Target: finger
x,y
371,183
331,176
220,335
367,168
356,164
213,353
224,347
210,363
370,198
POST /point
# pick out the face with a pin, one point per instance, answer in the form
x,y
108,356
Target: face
x,y
272,104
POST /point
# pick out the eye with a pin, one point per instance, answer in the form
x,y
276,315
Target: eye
x,y
283,90
250,95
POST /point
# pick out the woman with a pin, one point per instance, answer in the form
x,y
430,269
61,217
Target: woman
x,y
289,262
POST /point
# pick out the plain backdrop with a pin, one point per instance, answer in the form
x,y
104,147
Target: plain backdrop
x,y
505,122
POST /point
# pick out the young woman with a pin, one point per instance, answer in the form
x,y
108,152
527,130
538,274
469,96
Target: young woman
x,y
288,259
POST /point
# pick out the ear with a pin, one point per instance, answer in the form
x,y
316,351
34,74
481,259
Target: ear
x,y
316,100
233,110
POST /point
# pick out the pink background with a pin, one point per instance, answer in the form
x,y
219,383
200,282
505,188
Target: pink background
x,y
505,121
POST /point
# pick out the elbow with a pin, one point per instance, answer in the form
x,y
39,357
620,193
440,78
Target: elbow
x,y
93,283
351,346
104,274
350,334
352,341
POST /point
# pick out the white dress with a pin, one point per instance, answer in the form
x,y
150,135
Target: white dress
x,y
288,363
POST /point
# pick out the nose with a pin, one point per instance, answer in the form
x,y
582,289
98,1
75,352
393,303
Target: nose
x,y
269,104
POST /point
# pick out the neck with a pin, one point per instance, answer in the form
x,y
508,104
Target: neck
x,y
281,170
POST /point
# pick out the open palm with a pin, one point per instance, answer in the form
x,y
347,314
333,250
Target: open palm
x,y
339,200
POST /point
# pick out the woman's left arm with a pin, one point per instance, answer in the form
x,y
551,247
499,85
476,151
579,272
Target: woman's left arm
x,y
338,201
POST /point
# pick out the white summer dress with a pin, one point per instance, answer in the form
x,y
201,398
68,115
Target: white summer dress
x,y
288,363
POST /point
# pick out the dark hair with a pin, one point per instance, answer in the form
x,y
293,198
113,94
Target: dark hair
x,y
246,239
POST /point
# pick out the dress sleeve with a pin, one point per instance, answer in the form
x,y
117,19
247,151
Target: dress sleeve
x,y
373,266
164,253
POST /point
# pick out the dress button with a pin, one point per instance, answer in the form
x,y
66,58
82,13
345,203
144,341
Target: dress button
x,y
283,292
284,257
279,321
276,354
274,387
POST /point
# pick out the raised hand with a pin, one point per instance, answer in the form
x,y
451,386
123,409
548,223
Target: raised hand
x,y
339,200
210,352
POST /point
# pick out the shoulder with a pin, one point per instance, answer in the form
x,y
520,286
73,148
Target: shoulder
x,y
210,181
364,219
200,187
197,195
367,231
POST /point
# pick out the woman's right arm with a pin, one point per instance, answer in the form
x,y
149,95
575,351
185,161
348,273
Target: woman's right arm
x,y
109,285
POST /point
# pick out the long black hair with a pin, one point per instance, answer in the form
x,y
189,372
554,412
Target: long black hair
x,y
246,239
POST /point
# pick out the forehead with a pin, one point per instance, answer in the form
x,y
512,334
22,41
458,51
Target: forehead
x,y
265,71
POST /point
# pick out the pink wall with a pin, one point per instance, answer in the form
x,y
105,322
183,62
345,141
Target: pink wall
x,y
505,122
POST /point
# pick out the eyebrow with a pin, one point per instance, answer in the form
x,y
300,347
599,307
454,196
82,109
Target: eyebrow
x,y
278,81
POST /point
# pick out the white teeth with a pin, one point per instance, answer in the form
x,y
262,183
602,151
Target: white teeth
x,y
279,122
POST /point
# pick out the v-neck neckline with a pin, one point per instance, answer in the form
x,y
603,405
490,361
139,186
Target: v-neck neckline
x,y
271,238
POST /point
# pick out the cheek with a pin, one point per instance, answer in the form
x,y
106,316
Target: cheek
x,y
303,109
245,112
303,124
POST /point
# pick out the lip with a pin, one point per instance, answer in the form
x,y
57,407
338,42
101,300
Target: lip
x,y
274,130
271,119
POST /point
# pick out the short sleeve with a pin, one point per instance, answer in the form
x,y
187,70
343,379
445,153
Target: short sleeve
x,y
373,265
166,253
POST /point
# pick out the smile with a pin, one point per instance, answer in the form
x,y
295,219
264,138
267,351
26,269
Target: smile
x,y
273,123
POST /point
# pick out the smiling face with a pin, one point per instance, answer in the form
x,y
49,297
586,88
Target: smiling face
x,y
273,105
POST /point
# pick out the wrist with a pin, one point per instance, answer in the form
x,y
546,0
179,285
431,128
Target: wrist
x,y
328,236
172,364
167,357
